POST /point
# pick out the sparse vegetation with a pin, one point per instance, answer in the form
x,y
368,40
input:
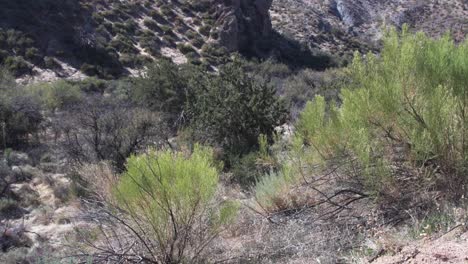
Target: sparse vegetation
x,y
177,149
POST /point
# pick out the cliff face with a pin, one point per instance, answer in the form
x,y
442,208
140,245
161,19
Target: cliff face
x,y
341,26
244,25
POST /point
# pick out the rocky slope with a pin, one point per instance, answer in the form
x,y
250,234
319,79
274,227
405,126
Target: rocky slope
x,y
340,26
50,39
110,38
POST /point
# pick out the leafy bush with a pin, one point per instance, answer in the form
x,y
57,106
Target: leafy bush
x,y
20,113
51,63
33,55
230,110
170,208
151,24
205,30
406,107
123,44
162,88
249,169
57,95
167,30
91,85
89,69
185,48
272,191
17,66
233,109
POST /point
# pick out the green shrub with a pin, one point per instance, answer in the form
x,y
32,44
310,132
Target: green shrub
x,y
51,63
162,88
91,85
250,168
205,30
198,42
33,55
407,105
20,113
17,66
169,40
272,191
58,95
89,69
166,11
151,24
172,194
123,44
167,30
233,109
185,48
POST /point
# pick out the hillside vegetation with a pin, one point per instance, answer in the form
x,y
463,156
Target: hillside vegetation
x,y
196,133
390,149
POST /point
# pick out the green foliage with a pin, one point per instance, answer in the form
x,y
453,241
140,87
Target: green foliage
x,y
205,30
89,69
92,85
51,63
272,190
440,221
172,192
20,113
409,103
151,24
173,178
17,65
167,30
233,109
248,169
185,48
162,88
123,44
57,95
229,110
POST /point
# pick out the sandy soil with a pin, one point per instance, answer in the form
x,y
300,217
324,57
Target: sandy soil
x,y
450,248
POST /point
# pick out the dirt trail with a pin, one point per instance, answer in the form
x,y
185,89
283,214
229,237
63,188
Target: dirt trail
x,y
450,248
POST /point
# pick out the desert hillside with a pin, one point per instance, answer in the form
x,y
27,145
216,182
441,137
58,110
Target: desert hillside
x,y
233,131
340,26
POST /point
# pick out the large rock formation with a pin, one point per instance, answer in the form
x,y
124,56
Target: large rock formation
x,y
243,25
343,26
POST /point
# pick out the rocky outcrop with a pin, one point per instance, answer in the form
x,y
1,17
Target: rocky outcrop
x,y
344,26
243,25
351,13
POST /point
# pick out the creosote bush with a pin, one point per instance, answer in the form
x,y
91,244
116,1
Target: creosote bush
x,y
170,214
406,108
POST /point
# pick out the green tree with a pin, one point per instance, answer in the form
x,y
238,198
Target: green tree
x,y
162,88
233,109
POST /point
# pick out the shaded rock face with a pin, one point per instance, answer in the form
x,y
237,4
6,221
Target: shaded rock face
x,y
244,25
351,13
